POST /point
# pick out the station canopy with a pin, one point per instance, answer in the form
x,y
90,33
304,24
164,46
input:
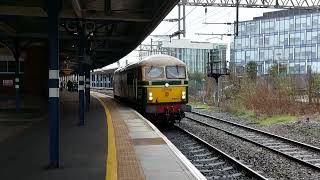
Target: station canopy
x,y
113,28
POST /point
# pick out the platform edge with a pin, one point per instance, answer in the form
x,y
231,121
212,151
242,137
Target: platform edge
x,y
193,170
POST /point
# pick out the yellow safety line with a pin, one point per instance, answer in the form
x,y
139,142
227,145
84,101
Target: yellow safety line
x,y
111,154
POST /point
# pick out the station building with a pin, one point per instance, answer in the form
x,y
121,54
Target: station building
x,y
288,38
193,53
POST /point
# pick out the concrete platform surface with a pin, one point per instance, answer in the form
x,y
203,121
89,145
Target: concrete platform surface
x,y
83,149
157,156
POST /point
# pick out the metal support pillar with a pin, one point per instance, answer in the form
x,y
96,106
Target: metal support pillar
x,y
16,55
87,86
216,90
179,17
184,19
81,79
237,18
53,84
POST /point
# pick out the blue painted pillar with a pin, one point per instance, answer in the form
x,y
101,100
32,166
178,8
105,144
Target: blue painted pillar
x,y
81,94
53,85
87,86
81,78
16,54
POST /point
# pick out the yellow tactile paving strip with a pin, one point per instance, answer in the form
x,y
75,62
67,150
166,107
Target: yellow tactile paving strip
x,y
129,167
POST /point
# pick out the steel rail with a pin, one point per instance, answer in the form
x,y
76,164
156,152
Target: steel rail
x,y
243,166
260,131
303,145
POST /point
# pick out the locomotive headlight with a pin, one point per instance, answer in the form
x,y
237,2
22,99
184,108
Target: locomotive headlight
x,y
166,84
183,95
150,98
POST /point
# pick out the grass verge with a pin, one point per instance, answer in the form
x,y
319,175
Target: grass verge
x,y
279,119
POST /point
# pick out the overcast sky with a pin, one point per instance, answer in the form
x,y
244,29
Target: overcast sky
x,y
195,17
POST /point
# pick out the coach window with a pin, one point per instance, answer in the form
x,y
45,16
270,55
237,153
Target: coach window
x,y
154,72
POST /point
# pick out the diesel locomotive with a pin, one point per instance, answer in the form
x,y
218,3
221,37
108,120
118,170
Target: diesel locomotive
x,y
157,86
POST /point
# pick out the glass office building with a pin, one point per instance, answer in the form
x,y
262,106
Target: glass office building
x,y
289,39
193,53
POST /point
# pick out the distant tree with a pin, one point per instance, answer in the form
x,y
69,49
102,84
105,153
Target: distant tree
x,y
196,76
251,70
277,69
273,70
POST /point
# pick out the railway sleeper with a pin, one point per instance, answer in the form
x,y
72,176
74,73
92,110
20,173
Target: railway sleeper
x,y
297,152
203,155
197,150
274,143
302,155
210,165
280,146
206,160
312,160
226,169
228,176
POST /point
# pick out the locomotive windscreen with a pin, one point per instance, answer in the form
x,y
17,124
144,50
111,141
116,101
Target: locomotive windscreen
x,y
176,72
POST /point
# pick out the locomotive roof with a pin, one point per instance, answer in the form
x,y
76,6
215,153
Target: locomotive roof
x,y
155,60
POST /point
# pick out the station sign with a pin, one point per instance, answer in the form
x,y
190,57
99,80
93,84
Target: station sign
x,y
7,83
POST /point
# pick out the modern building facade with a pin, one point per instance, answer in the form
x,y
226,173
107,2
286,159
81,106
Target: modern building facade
x,y
289,39
193,53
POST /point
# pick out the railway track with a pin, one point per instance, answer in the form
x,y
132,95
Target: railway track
x,y
211,162
300,152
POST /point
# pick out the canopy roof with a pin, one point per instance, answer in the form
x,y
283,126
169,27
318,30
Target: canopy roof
x,y
113,27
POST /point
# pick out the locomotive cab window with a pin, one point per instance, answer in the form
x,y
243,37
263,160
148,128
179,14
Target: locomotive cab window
x,y
176,72
154,72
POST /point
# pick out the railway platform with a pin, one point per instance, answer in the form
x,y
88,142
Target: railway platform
x,y
115,143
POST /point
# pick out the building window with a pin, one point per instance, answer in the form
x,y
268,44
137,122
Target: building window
x,y
303,23
298,23
3,66
315,21
21,66
313,52
286,25
291,24
286,39
281,40
278,54
314,36
308,35
297,53
309,22
11,66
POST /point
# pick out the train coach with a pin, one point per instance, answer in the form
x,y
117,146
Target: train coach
x,y
157,86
